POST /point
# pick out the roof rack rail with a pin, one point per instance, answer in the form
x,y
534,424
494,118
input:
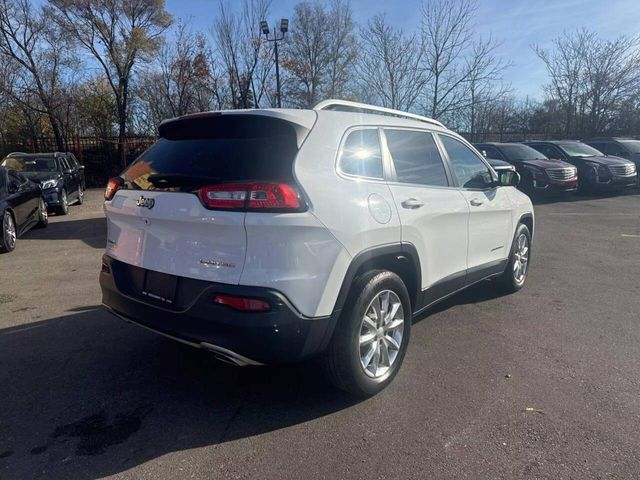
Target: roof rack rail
x,y
347,106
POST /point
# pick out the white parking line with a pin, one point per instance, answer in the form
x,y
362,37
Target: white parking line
x,y
629,235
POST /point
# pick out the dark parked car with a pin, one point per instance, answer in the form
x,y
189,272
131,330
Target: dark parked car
x,y
500,165
628,148
60,176
22,207
538,173
596,171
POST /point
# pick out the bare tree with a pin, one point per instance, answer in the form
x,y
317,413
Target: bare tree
x,y
241,48
177,82
119,34
389,66
320,53
447,33
40,56
565,64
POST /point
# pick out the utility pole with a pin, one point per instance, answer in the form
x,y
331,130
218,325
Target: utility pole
x,y
284,27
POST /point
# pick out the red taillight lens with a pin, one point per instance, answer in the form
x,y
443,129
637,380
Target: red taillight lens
x,y
250,196
244,304
112,187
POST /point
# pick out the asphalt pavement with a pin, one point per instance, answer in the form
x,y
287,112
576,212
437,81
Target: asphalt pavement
x,y
544,383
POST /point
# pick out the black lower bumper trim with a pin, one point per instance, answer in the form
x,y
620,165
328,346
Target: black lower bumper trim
x,y
281,335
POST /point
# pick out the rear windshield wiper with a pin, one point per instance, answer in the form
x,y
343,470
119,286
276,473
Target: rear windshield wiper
x,y
168,180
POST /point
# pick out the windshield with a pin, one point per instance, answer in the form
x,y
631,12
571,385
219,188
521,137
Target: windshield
x,y
632,145
31,164
576,149
519,153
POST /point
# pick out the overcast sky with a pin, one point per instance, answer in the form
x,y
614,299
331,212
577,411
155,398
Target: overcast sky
x,y
516,23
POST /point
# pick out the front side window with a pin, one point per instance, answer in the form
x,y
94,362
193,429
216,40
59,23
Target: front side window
x,y
491,152
416,157
361,155
469,170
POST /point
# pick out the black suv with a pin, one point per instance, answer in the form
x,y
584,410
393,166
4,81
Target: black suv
x,y
628,148
60,175
595,169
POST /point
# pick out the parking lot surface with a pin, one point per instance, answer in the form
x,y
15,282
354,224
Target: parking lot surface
x,y
540,384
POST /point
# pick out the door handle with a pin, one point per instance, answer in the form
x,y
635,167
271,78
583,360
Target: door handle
x,y
412,203
475,202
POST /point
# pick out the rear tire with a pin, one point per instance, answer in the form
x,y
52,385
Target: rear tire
x,y
517,271
372,334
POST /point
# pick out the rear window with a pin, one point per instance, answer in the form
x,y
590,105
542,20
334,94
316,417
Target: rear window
x,y
215,149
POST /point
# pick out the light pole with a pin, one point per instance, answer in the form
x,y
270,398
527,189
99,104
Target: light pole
x,y
284,27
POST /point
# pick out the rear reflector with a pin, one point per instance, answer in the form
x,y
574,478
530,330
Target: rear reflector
x,y
112,187
245,304
251,196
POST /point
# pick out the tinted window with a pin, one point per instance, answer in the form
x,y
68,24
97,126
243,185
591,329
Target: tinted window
x,y
216,149
361,154
577,149
632,146
518,153
30,164
611,149
416,157
469,170
548,150
491,152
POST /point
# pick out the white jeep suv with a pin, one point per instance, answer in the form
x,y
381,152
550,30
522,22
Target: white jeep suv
x,y
276,235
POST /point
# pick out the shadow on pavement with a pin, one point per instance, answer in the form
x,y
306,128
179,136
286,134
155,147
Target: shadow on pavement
x,y
85,395
92,231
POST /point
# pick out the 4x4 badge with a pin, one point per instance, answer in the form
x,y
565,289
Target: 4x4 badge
x,y
145,202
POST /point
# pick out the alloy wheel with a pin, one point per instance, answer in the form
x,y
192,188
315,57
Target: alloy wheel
x,y
9,231
381,333
44,215
521,258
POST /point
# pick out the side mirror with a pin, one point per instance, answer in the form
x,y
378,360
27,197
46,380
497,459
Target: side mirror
x,y
12,188
508,178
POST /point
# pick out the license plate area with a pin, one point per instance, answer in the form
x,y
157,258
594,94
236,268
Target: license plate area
x,y
160,287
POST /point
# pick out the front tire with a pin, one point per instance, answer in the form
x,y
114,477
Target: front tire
x,y
63,209
43,215
372,334
9,233
80,195
515,275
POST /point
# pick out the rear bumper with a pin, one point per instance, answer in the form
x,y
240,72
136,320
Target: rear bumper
x,y
281,335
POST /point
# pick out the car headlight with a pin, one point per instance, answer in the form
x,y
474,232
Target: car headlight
x,y
593,165
536,172
48,184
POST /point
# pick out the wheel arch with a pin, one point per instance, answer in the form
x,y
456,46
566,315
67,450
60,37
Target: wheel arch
x,y
527,219
401,259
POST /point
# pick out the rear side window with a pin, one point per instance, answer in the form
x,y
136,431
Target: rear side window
x,y
205,150
361,155
416,157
